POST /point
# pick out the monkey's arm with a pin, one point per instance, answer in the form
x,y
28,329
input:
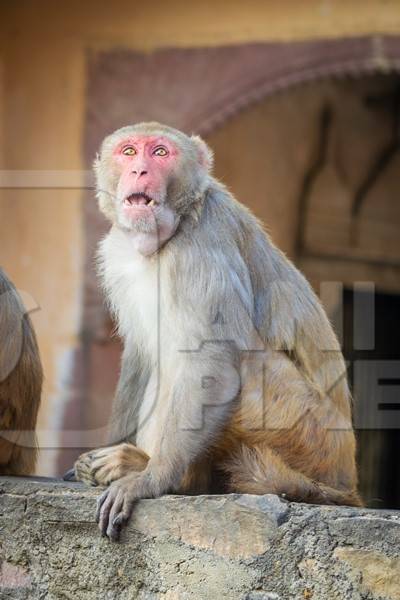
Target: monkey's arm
x,y
134,377
198,404
104,465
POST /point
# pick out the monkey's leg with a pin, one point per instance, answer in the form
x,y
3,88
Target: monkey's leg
x,y
260,470
105,465
198,478
290,437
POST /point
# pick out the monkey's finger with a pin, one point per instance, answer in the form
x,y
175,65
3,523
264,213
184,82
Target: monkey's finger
x,y
99,463
105,515
100,501
122,518
114,529
114,532
104,476
82,473
70,475
119,521
82,466
111,504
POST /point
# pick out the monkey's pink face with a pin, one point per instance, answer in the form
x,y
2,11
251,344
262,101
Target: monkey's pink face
x,y
145,164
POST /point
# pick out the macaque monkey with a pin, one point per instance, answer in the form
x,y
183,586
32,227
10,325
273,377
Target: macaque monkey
x,y
20,384
232,378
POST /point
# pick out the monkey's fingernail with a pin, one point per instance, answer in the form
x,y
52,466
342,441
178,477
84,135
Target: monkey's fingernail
x,y
103,527
70,475
118,521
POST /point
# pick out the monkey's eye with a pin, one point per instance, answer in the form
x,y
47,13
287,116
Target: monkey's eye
x,y
160,151
129,151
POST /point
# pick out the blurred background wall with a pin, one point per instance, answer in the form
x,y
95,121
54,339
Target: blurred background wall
x,y
317,162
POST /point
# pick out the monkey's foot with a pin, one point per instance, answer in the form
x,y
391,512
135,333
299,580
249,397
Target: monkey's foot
x,y
105,465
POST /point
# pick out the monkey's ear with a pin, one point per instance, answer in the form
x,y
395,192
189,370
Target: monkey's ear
x,y
206,156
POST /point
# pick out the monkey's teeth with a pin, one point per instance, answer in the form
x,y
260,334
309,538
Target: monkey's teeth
x,y
151,203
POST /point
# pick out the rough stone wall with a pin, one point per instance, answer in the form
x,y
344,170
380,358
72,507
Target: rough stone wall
x,y
206,547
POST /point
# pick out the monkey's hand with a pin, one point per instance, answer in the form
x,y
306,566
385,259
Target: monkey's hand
x,y
105,465
114,506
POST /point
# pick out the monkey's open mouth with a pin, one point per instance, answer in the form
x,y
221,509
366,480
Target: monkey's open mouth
x,y
139,199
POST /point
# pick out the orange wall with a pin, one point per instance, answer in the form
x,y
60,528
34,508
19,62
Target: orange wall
x,y
43,47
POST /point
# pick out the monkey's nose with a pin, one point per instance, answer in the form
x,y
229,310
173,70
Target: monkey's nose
x,y
140,173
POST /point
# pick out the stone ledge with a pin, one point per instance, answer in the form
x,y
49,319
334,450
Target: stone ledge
x,y
206,547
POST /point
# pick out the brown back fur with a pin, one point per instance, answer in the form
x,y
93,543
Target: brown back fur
x,y
20,384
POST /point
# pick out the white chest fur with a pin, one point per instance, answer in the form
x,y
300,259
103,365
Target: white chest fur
x,y
132,283
145,319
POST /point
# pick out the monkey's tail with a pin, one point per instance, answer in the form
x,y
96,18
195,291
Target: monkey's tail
x,y
261,470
